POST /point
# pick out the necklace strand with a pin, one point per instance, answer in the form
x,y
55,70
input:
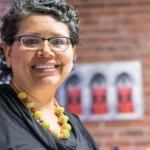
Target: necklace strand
x,y
65,129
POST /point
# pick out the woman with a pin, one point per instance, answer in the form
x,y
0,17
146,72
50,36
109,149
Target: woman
x,y
39,41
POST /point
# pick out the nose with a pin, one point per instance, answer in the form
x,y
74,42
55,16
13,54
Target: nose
x,y
46,50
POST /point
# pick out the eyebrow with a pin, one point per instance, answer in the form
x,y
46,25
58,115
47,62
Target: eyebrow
x,y
52,34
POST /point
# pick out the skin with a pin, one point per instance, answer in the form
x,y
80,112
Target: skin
x,y
40,85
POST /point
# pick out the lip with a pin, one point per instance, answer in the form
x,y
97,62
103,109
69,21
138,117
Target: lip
x,y
49,67
44,64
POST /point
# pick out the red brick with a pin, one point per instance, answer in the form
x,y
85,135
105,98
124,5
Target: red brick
x,y
91,124
120,4
107,12
136,12
118,143
96,58
143,3
146,64
93,5
131,133
142,143
103,134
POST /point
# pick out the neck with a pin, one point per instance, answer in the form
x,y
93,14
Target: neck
x,y
43,97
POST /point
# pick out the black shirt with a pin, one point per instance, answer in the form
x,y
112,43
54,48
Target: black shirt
x,y
20,131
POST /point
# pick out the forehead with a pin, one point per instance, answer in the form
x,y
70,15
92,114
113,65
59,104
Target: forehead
x,y
43,25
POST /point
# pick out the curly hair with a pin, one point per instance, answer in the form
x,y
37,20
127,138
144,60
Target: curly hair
x,y
21,9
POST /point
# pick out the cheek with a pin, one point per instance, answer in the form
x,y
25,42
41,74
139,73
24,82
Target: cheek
x,y
20,58
15,59
67,60
67,57
67,63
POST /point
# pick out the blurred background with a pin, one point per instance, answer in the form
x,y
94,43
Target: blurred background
x,y
113,31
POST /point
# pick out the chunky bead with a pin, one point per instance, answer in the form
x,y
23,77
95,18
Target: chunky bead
x,y
46,125
30,105
37,115
59,110
66,126
63,119
56,133
66,133
22,95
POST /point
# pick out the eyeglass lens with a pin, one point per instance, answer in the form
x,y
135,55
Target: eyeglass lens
x,y
59,44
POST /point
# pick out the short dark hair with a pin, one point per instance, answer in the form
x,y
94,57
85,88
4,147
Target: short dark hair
x,y
24,8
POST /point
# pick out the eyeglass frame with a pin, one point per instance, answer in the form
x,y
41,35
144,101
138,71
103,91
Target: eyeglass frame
x,y
19,38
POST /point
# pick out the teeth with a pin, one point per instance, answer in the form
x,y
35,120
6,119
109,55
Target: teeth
x,y
44,67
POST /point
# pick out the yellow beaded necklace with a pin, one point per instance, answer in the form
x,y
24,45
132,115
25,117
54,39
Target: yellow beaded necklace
x,y
64,132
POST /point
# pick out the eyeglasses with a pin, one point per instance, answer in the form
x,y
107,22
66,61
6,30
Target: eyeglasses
x,y
29,42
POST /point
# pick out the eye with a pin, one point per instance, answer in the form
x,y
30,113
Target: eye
x,y
58,41
30,41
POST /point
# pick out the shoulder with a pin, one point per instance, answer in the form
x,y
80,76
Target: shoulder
x,y
4,88
79,127
3,91
74,117
75,120
6,92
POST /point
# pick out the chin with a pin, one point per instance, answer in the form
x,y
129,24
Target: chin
x,y
48,82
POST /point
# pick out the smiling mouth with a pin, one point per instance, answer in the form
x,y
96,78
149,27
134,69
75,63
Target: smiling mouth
x,y
45,66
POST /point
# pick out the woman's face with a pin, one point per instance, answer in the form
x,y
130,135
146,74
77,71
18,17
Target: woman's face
x,y
44,67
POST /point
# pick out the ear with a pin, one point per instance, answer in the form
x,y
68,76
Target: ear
x,y
7,53
74,48
74,55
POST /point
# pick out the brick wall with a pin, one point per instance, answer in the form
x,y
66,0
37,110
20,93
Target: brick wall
x,y
116,30
113,30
